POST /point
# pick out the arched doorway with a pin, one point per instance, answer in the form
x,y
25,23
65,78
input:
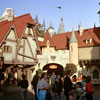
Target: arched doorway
x,y
95,74
54,67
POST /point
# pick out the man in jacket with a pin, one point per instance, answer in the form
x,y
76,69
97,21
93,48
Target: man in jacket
x,y
67,84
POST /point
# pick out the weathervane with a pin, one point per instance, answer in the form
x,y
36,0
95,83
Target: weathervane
x,y
99,13
59,7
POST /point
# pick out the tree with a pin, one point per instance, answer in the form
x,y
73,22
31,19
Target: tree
x,y
41,27
71,67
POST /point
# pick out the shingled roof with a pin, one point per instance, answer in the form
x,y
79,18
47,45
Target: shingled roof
x,y
19,23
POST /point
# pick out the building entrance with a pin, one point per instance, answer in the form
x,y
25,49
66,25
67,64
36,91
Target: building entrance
x,y
54,67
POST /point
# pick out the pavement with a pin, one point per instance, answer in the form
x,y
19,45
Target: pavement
x,y
15,95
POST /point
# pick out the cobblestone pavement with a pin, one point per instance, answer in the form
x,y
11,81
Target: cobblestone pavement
x,y
30,96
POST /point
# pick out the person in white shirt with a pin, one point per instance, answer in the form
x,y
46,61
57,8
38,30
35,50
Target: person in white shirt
x,y
42,87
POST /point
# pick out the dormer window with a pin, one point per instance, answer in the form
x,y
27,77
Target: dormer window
x,y
87,41
90,40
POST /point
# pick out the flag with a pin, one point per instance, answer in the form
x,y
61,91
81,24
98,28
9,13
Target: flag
x,y
59,7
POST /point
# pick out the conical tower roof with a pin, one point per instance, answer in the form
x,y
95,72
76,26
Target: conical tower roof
x,y
61,27
73,37
51,25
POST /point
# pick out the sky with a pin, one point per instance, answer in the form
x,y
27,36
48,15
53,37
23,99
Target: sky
x,y
73,11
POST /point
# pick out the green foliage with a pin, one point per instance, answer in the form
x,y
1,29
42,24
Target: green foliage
x,y
71,67
41,27
40,71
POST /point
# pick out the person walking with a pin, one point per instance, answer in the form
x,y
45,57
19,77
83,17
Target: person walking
x,y
24,85
53,80
67,84
58,86
83,82
42,87
34,83
89,90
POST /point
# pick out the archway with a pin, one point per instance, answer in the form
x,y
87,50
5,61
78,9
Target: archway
x,y
95,74
54,67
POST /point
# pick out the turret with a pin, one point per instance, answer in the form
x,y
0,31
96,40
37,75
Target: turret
x,y
73,49
51,29
61,27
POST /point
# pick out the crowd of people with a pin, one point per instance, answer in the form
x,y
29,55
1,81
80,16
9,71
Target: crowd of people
x,y
74,89
46,88
8,78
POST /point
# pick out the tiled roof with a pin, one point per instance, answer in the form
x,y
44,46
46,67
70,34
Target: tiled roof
x,y
47,37
61,41
4,28
92,33
19,22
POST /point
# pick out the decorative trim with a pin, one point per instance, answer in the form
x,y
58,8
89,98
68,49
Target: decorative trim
x,y
30,48
26,56
23,49
6,35
20,63
34,31
10,40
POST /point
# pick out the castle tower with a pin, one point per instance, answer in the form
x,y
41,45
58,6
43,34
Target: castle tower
x,y
73,49
61,26
51,29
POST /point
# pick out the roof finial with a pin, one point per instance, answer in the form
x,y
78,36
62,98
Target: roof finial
x,y
51,25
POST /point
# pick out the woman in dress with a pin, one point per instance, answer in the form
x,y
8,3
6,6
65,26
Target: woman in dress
x,y
43,86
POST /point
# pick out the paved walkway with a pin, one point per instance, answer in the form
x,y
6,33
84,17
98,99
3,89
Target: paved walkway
x,y
30,96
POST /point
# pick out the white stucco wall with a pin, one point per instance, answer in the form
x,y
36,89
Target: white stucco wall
x,y
10,56
61,56
89,53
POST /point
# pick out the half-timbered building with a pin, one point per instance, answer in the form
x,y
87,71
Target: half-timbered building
x,y
19,45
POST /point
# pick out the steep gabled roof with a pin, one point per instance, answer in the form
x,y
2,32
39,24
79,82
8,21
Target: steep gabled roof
x,y
92,33
61,41
46,38
20,24
4,28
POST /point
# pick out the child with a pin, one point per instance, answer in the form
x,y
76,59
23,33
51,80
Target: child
x,y
72,96
78,90
83,82
89,89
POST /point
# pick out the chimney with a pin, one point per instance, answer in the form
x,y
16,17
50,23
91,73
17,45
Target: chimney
x,y
80,29
10,14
